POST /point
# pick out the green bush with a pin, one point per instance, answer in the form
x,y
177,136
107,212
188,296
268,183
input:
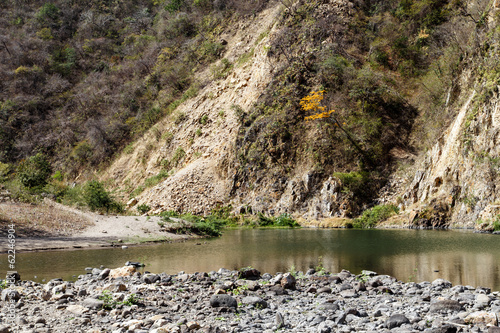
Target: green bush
x,y
34,172
97,198
154,180
354,181
371,217
142,209
4,171
174,5
47,13
284,220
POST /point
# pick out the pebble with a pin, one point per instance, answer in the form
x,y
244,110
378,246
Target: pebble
x,y
224,301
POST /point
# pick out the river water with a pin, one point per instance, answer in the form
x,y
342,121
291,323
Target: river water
x,y
409,255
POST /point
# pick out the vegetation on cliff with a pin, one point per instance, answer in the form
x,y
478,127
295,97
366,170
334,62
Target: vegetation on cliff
x,y
82,80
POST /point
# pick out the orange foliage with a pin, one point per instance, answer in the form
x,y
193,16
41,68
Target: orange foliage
x,y
312,102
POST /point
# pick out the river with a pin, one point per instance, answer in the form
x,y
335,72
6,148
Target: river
x,y
410,255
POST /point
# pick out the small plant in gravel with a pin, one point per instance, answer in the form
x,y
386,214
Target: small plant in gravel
x,y
142,209
110,303
320,268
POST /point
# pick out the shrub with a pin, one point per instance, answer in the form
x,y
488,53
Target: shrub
x,y
178,156
154,180
354,181
284,220
4,171
97,198
34,171
142,209
222,70
374,215
47,13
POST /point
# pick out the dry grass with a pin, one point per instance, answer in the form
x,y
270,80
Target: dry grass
x,y
331,222
40,220
398,221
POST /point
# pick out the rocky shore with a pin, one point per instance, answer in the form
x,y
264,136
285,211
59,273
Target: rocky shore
x,y
126,300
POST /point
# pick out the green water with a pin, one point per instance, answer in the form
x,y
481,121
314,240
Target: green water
x,y
418,255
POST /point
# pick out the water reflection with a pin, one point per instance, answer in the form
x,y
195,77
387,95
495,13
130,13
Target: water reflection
x,y
461,257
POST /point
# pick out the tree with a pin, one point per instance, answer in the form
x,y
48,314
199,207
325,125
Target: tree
x,y
34,171
312,102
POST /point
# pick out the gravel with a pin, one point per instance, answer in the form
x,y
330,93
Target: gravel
x,y
224,302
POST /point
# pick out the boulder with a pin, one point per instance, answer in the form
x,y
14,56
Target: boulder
x,y
396,320
482,317
255,301
93,303
225,301
249,273
122,271
288,281
445,306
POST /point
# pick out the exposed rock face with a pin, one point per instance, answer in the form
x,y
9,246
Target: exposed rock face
x,y
456,182
204,176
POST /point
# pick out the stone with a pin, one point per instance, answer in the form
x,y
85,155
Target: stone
x,y
349,293
192,325
255,301
441,283
328,306
10,294
325,290
151,278
280,322
249,273
225,301
493,329
122,271
93,303
396,320
482,317
132,202
482,300
278,290
104,274
445,306
288,281
115,287
5,329
77,309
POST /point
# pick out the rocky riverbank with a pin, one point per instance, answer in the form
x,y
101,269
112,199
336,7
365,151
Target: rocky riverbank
x,y
124,300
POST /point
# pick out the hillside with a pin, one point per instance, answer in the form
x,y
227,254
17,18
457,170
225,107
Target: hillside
x,y
193,105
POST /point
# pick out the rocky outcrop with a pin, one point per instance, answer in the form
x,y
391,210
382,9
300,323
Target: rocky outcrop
x,y
456,181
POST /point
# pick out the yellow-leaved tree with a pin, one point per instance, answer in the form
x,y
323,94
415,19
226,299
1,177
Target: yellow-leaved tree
x,y
312,102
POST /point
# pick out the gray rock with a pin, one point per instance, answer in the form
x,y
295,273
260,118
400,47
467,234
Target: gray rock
x,y
255,301
225,301
441,283
280,322
482,300
104,274
278,290
445,306
151,278
288,281
324,290
93,303
249,274
10,294
396,320
328,306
